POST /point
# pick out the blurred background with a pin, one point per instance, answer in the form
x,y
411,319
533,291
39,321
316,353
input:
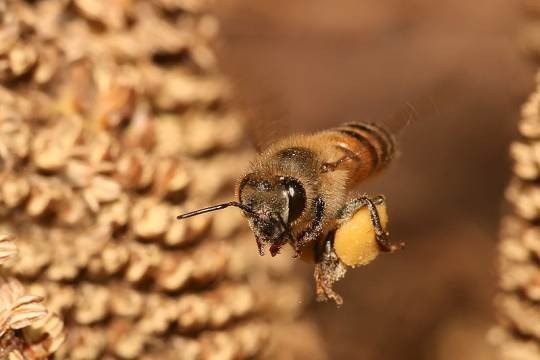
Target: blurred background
x,y
303,65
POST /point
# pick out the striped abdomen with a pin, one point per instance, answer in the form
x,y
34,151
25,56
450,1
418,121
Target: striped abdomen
x,y
368,148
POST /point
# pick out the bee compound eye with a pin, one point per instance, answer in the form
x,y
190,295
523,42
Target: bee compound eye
x,y
296,195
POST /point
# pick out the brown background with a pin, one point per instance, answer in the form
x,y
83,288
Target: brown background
x,y
310,64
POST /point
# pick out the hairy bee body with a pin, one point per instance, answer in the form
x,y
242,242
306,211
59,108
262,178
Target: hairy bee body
x,y
328,165
300,190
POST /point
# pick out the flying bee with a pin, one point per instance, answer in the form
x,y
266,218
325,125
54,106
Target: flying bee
x,y
300,190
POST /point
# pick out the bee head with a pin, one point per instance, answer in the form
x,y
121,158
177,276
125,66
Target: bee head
x,y
271,205
275,203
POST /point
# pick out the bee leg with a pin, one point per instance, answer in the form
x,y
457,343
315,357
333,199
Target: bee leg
x,y
328,270
327,167
380,234
314,230
275,248
332,166
260,246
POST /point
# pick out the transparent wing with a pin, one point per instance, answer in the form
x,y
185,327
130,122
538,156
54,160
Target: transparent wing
x,y
263,114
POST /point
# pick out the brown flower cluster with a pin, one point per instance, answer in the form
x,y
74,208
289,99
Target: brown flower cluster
x,y
529,39
27,329
518,336
113,120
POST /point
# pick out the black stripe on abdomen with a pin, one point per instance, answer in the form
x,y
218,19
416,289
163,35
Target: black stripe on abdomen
x,y
365,142
380,135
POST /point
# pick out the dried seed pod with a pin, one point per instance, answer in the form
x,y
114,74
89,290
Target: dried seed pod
x,y
22,58
96,135
159,314
45,335
117,106
15,355
198,227
72,210
135,170
48,65
528,125
85,343
171,178
202,137
27,310
90,304
9,32
67,261
177,234
8,249
15,136
52,148
104,189
140,132
518,334
17,310
150,220
143,260
126,302
175,272
512,348
115,258
116,214
211,262
181,89
14,191
222,311
193,313
129,345
34,256
113,14
45,194
60,298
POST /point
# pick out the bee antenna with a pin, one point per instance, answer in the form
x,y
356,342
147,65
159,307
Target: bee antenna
x,y
214,208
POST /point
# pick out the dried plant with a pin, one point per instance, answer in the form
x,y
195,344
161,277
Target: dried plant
x,y
27,329
518,336
518,333
114,119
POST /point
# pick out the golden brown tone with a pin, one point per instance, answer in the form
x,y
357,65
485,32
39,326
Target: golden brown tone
x,y
322,62
27,329
355,242
300,190
112,120
518,336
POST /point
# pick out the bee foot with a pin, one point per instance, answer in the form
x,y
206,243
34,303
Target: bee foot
x,y
297,253
323,284
398,246
386,246
328,270
275,249
260,246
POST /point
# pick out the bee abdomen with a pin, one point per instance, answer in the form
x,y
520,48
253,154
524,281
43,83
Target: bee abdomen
x,y
370,145
378,137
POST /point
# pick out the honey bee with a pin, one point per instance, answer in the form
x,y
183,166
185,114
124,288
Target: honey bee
x,y
300,190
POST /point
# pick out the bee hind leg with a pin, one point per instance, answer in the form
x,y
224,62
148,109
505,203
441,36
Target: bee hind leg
x,y
381,235
328,270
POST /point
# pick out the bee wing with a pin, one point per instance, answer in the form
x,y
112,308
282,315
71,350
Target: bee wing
x,y
263,116
407,114
400,120
262,128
